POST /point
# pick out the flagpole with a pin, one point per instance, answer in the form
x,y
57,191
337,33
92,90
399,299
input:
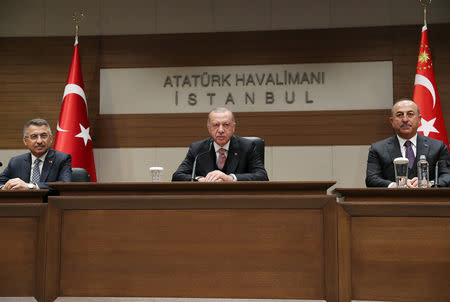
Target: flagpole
x,y
425,4
73,129
77,17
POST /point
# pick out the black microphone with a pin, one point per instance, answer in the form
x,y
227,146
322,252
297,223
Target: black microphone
x,y
436,170
196,157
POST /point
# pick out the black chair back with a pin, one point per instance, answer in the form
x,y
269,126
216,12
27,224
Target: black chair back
x,y
259,143
80,175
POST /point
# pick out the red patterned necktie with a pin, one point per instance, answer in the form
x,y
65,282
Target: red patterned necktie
x,y
222,158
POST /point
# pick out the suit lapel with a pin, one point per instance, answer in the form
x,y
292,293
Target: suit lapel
x,y
48,163
205,162
393,148
422,147
26,168
233,156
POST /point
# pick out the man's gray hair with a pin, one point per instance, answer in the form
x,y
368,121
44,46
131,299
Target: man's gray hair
x,y
36,122
222,109
404,99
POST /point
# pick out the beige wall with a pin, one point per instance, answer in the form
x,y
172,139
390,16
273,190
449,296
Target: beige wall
x,y
118,17
344,164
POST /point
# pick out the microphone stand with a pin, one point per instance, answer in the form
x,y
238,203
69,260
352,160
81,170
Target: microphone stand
x,y
196,157
436,171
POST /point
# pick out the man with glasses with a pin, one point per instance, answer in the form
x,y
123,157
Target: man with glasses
x,y
33,170
223,156
405,119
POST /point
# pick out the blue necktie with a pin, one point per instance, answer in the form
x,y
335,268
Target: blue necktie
x,y
409,154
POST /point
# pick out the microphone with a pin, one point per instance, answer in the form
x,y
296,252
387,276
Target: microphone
x,y
436,170
196,157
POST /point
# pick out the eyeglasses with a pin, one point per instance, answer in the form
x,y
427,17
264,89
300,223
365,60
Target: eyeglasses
x,y
34,137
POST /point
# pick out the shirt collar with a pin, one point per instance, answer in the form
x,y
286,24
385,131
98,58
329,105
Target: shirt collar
x,y
42,158
402,141
226,146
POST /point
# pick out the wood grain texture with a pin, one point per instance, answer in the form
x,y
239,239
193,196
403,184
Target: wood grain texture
x,y
53,253
394,250
257,252
401,258
22,243
195,188
394,195
344,255
18,242
331,252
299,128
25,196
33,81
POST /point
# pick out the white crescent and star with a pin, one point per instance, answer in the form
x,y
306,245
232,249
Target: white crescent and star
x,y
423,81
73,88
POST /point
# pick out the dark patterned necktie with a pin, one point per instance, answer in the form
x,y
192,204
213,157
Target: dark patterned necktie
x,y
36,174
409,154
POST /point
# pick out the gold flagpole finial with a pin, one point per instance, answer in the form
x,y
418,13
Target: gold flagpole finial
x,y
77,17
425,4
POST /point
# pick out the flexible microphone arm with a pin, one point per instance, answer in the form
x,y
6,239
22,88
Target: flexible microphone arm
x,y
436,171
196,157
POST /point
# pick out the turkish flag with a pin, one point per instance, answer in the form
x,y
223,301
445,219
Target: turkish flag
x,y
426,94
73,128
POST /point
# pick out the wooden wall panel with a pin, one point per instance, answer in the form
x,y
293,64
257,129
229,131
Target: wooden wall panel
x,y
33,72
297,128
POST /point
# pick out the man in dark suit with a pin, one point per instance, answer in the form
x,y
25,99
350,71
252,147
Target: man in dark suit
x,y
223,156
33,170
405,119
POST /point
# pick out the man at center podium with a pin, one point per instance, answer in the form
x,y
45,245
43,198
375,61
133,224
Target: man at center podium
x,y
223,156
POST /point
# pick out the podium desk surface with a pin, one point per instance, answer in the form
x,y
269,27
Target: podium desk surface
x,y
187,188
393,195
23,196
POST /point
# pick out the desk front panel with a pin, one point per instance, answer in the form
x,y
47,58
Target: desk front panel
x,y
154,246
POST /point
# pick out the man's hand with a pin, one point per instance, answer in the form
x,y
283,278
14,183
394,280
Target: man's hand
x,y
412,183
216,176
15,184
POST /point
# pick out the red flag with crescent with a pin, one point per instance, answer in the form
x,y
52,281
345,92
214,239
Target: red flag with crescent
x,y
426,94
73,128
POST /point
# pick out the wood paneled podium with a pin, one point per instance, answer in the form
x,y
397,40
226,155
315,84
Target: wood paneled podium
x,y
281,240
192,240
22,243
394,244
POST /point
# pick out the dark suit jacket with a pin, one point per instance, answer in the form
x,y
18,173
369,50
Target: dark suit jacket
x,y
57,168
242,160
380,166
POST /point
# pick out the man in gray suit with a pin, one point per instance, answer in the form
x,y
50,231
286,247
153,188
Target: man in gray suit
x,y
223,156
33,170
405,119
